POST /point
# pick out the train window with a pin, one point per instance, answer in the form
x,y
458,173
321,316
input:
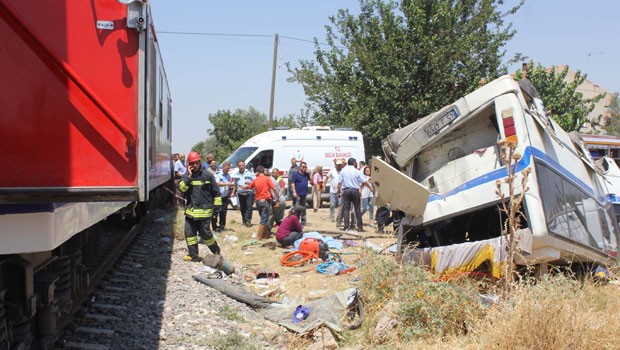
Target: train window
x,y
169,134
161,115
160,111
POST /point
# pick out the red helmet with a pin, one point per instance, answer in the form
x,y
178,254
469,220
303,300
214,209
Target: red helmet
x,y
193,156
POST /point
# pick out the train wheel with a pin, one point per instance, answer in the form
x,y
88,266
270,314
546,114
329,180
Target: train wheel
x,y
62,268
22,334
79,278
3,325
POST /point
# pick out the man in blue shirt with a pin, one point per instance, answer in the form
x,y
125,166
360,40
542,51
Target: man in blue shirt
x,y
349,190
289,191
299,185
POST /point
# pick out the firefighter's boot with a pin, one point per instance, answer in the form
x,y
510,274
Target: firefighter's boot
x,y
214,248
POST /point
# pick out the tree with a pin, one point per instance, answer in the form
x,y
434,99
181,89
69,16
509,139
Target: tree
x,y
398,61
231,129
612,123
204,147
561,99
289,121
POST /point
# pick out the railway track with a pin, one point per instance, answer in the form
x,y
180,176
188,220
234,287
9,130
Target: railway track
x,y
101,319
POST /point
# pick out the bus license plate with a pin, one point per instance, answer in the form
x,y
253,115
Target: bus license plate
x,y
438,124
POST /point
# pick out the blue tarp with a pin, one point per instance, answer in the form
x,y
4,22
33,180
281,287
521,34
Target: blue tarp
x,y
331,241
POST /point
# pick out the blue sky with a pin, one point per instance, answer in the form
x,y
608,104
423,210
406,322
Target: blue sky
x,y
211,73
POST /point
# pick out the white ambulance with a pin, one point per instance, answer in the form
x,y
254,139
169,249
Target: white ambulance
x,y
315,145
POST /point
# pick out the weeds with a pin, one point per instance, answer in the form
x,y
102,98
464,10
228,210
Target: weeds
x,y
558,312
423,307
554,312
434,308
233,341
511,207
378,280
230,314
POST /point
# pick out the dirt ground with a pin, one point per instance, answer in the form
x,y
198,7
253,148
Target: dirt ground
x,y
242,250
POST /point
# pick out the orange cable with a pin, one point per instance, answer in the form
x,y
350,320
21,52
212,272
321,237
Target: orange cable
x,y
305,257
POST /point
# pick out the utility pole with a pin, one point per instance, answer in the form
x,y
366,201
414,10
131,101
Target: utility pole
x,y
273,79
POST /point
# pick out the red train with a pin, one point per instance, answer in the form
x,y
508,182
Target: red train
x,y
85,131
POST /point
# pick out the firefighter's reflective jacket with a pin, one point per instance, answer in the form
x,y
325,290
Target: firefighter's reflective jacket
x,y
202,193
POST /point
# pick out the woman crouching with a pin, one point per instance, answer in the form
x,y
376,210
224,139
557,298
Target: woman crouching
x,y
290,229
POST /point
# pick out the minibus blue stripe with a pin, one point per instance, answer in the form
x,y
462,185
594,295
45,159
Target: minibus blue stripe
x,y
523,163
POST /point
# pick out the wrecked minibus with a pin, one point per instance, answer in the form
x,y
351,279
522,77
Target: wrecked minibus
x,y
605,152
441,171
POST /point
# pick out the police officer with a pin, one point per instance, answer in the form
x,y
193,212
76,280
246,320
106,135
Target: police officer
x,y
243,178
227,190
202,194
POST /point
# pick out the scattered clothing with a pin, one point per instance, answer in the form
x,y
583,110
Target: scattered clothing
x,y
300,314
350,243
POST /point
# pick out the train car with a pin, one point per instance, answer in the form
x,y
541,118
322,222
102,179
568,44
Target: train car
x,y
86,135
444,171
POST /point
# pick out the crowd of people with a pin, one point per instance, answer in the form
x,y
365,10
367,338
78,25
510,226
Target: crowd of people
x,y
208,189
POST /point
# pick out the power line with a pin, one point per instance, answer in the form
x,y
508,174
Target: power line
x,y
298,39
214,34
237,35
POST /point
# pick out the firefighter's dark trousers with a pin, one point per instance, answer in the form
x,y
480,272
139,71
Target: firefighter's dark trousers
x,y
199,227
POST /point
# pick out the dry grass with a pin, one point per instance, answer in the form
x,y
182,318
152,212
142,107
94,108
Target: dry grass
x,y
556,313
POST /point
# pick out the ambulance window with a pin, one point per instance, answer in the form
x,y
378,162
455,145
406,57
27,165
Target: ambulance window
x,y
264,158
241,154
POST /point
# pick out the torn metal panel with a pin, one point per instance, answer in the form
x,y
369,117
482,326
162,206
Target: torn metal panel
x,y
397,190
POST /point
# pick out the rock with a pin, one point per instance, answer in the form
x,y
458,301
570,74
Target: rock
x,y
231,238
323,338
384,328
172,311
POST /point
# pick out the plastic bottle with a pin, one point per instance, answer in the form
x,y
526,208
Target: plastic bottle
x,y
332,269
231,239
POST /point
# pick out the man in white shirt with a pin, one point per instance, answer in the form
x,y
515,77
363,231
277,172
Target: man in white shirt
x,y
179,167
348,188
332,178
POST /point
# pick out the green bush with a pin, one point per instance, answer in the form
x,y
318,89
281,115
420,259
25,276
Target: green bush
x,y
424,307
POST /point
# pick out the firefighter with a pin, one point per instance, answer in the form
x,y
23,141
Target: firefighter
x,y
202,193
